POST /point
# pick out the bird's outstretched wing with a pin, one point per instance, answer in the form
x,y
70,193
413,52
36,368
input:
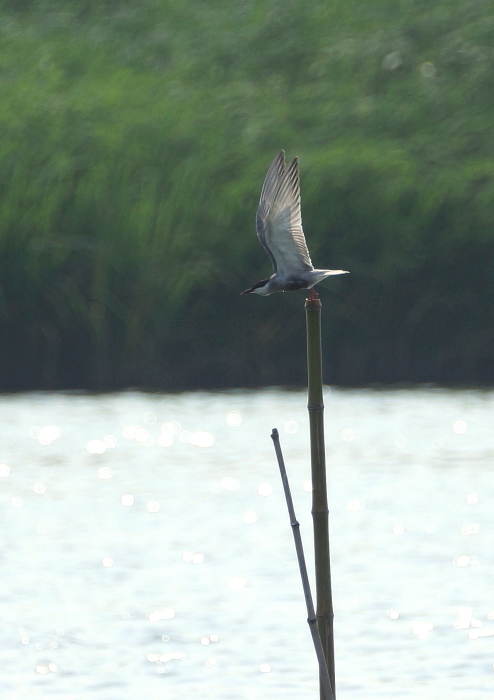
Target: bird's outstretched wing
x,y
268,193
279,222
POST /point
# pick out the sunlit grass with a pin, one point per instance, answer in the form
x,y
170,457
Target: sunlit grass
x,y
134,138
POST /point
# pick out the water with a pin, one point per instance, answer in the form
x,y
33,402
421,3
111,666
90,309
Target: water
x,y
133,569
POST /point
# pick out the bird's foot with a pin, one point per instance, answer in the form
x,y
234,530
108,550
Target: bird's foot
x,y
313,295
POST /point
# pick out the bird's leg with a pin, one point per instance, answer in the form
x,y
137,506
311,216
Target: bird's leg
x,y
312,295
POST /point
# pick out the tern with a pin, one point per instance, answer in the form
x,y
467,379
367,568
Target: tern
x,y
279,229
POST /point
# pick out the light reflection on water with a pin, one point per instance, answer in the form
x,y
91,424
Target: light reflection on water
x,y
146,548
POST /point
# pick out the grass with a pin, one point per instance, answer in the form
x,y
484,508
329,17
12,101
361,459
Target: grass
x,y
134,137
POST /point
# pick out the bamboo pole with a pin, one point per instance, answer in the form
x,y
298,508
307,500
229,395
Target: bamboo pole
x,y
311,615
320,511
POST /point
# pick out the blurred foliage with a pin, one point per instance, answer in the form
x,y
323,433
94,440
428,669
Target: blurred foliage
x,y
134,138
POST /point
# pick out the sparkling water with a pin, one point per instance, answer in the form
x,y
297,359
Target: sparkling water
x,y
147,553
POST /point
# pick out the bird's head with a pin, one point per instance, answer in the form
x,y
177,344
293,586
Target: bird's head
x,y
259,288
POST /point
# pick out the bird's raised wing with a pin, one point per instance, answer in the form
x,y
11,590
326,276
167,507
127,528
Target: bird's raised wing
x,y
279,222
268,193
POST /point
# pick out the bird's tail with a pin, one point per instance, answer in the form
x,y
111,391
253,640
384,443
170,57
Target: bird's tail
x,y
321,274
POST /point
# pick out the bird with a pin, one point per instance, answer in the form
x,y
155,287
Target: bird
x,y
279,229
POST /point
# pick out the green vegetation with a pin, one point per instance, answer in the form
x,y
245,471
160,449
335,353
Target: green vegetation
x,y
134,137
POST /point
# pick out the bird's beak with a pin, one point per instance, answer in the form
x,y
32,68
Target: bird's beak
x,y
246,291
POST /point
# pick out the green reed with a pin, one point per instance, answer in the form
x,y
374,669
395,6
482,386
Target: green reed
x,y
131,133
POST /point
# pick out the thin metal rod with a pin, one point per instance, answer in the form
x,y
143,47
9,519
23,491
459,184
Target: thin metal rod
x,y
320,511
311,615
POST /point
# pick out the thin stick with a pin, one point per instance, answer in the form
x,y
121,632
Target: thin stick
x,y
311,615
320,512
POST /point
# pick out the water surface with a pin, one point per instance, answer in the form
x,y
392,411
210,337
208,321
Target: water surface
x,y
142,561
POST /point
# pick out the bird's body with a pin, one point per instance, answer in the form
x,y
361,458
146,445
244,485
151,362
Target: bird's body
x,y
279,228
